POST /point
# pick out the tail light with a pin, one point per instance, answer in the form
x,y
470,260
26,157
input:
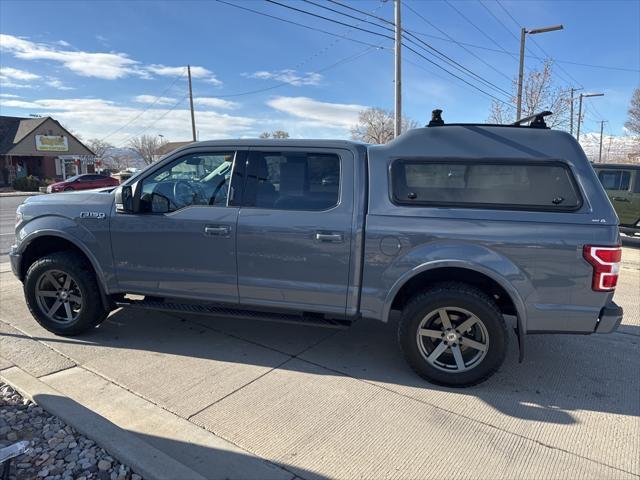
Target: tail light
x,y
606,266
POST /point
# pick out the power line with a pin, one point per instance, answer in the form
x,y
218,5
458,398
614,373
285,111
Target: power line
x,y
451,61
431,48
144,129
538,45
460,44
478,28
146,109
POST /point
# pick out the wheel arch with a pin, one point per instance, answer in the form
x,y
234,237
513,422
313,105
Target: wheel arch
x,y
491,282
44,242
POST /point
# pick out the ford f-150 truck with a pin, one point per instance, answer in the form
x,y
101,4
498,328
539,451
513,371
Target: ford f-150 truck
x,y
451,231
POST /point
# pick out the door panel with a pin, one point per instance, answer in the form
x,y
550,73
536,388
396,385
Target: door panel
x,y
617,183
293,245
189,252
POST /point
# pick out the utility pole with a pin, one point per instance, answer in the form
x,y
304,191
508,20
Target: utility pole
x,y
523,36
584,95
398,82
573,90
193,117
601,130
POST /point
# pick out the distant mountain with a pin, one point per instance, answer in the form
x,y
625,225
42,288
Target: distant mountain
x,y
614,148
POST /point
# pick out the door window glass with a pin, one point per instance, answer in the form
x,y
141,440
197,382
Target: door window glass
x,y
293,180
615,179
196,179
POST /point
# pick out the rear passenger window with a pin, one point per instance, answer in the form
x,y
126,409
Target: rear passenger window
x,y
293,180
540,186
615,179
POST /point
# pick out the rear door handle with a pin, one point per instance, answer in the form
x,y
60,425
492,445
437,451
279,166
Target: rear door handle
x,y
620,199
217,230
329,237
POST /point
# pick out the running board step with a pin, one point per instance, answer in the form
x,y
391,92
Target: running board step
x,y
230,312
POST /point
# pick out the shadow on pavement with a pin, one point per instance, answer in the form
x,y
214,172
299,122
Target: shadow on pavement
x,y
207,461
561,374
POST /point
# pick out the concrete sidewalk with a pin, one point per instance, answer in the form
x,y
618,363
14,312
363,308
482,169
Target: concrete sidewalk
x,y
318,403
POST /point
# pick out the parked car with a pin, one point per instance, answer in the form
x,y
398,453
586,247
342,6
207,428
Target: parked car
x,y
458,230
622,183
85,181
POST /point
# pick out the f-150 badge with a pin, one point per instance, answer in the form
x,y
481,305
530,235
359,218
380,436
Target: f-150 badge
x,y
99,215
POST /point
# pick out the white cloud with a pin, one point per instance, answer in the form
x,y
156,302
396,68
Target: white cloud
x,y
100,65
215,102
151,99
9,95
93,117
289,76
196,72
109,66
57,84
17,74
318,114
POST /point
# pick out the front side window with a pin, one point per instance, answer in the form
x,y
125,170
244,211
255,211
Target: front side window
x,y
494,185
195,179
293,180
615,179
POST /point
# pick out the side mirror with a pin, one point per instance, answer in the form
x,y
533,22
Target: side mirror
x,y
159,203
124,199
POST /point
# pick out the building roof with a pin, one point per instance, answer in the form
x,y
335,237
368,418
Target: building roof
x,y
15,129
170,147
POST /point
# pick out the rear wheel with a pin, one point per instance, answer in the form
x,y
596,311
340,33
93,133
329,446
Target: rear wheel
x,y
453,334
62,294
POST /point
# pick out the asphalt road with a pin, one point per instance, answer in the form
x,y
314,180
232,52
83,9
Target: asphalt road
x,y
8,207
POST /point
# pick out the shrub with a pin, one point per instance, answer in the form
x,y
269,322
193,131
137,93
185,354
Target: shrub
x,y
27,184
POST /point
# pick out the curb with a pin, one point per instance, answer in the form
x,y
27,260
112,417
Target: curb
x,y
144,459
19,194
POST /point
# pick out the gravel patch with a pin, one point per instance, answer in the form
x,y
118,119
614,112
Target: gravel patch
x,y
56,451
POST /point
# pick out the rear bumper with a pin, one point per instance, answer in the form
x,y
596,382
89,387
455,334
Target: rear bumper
x,y
609,318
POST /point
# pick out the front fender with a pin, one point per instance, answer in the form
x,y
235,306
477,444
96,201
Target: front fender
x,y
78,235
466,256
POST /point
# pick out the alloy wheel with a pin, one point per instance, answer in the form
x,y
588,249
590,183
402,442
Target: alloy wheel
x,y
58,296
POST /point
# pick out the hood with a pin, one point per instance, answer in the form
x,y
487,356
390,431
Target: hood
x,y
73,205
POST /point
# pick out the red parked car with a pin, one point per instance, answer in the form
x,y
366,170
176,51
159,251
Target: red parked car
x,y
83,182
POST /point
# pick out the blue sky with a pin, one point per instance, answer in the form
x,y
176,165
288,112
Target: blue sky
x,y
116,69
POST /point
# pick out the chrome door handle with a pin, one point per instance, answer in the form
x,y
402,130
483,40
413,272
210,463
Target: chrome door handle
x,y
328,237
217,230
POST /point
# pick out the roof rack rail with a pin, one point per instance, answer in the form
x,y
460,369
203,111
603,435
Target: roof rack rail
x,y
535,121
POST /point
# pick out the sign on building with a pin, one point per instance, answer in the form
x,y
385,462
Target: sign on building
x,y
52,143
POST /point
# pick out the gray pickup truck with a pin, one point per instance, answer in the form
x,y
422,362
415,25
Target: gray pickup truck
x,y
450,233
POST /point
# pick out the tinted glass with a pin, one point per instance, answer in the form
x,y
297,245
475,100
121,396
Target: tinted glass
x,y
197,179
615,179
517,185
293,180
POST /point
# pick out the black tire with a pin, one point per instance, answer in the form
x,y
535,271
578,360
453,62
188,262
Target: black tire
x,y
86,315
457,300
68,189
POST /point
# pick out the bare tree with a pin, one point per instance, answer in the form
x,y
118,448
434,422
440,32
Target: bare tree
x,y
633,124
376,125
275,134
539,92
146,146
99,147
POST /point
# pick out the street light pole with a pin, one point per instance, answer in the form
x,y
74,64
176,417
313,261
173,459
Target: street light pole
x,y
584,95
571,108
193,117
398,75
523,36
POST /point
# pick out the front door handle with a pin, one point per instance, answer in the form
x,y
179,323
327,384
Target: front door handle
x,y
217,230
620,199
329,237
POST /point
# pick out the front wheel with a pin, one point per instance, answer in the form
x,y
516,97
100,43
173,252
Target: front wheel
x,y
62,294
453,335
